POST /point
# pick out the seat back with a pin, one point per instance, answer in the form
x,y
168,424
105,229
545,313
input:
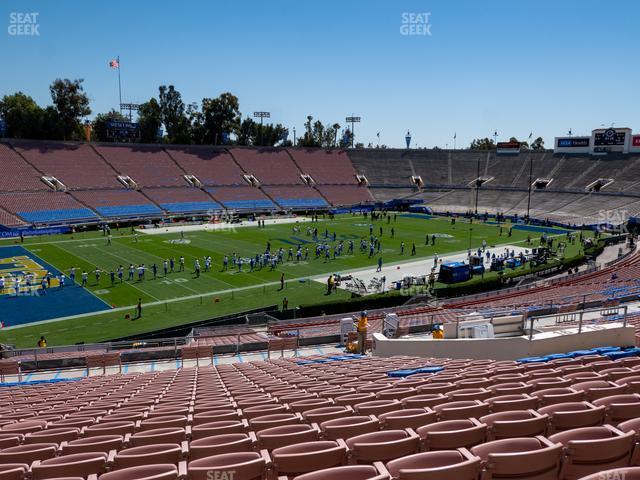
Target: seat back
x,y
452,434
515,423
75,465
219,444
148,454
437,465
275,437
146,472
382,446
245,465
308,457
591,449
520,457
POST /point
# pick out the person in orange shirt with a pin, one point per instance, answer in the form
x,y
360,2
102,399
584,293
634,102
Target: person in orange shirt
x,y
438,332
362,326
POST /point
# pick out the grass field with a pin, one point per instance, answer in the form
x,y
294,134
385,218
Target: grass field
x,y
180,298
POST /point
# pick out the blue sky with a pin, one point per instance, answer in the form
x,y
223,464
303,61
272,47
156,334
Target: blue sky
x,y
540,66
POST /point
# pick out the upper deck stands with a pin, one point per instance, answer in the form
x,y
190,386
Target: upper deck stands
x,y
17,174
345,194
75,164
383,167
271,166
242,198
182,200
212,166
148,166
330,167
296,196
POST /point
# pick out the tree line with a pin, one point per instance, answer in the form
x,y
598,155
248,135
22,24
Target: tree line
x,y
215,121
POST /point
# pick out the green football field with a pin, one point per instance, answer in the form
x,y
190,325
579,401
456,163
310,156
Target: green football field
x,y
180,297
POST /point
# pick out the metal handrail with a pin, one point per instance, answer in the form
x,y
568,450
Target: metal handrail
x,y
581,314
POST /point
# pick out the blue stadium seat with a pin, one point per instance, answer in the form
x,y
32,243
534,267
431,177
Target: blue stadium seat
x,y
52,216
182,207
128,210
532,360
249,204
301,202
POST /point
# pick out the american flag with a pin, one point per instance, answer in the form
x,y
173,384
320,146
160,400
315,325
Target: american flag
x,y
115,63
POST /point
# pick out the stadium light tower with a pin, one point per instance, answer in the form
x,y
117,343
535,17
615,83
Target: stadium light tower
x,y
530,186
261,116
130,107
477,186
352,120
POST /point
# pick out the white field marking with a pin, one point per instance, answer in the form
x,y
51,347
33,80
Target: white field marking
x,y
212,227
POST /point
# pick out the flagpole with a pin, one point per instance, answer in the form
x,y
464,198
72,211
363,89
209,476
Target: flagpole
x,y
454,140
119,86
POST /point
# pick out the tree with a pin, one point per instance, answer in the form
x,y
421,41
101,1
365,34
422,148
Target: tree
x,y
336,129
221,116
195,119
249,134
149,120
50,127
307,139
99,124
271,135
523,145
23,116
246,132
71,104
482,144
172,110
345,141
537,144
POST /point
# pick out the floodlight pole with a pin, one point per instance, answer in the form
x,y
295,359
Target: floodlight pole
x,y
261,116
352,120
119,84
130,107
477,184
530,182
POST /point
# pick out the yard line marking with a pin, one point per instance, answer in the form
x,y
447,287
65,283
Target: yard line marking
x,y
131,284
62,271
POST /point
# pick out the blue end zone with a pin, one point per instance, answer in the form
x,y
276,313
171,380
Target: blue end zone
x,y
58,302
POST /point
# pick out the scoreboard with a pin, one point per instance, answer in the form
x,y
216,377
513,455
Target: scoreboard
x,y
602,141
123,131
609,137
